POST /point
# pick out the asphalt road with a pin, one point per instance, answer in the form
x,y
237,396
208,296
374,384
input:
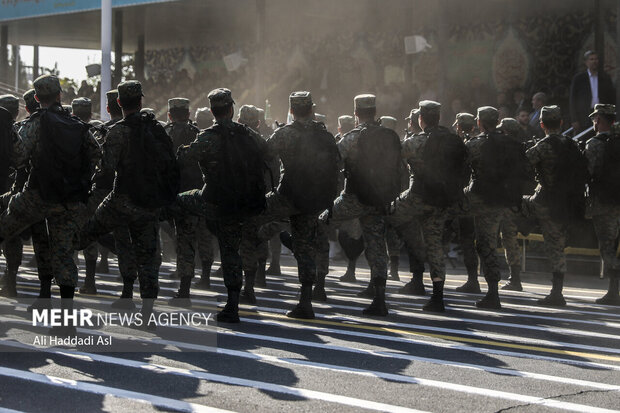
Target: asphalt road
x,y
522,358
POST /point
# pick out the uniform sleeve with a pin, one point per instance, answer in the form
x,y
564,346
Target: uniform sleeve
x,y
408,149
24,144
534,154
94,151
199,150
593,155
113,149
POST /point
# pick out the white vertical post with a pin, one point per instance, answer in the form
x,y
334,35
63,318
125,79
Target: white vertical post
x,y
16,61
106,54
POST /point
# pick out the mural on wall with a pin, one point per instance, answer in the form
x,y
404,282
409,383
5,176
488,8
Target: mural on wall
x,y
511,64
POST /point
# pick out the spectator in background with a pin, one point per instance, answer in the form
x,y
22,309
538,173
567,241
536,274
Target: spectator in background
x,y
587,89
523,117
538,101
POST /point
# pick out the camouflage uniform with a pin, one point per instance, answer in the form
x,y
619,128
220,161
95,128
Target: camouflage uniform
x,y
487,217
28,207
191,230
206,150
543,160
12,248
464,125
605,216
118,210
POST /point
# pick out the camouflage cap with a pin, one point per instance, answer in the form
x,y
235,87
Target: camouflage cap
x,y
203,114
510,126
248,114
320,118
220,97
47,85
366,101
150,111
178,103
261,114
347,121
81,103
300,99
10,103
67,108
111,95
604,109
427,107
388,122
29,98
487,114
548,113
465,120
414,114
130,89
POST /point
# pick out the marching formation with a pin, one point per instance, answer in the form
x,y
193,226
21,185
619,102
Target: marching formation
x,y
70,183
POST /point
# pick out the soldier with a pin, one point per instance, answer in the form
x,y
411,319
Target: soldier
x,y
254,257
436,158
388,122
191,231
32,104
559,168
602,152
366,196
508,224
12,248
203,118
139,153
55,192
232,158
493,188
82,108
413,126
464,125
308,185
394,243
345,124
122,238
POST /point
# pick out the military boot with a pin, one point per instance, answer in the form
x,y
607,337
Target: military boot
x,y
555,297
67,328
230,313
377,307
205,277
612,297
471,286
415,286
304,308
44,300
248,296
491,299
394,261
147,311
318,294
274,269
125,302
181,297
435,303
102,266
368,292
260,279
9,289
89,286
514,282
349,275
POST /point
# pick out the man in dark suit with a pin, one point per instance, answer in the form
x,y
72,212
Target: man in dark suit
x,y
538,101
587,89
